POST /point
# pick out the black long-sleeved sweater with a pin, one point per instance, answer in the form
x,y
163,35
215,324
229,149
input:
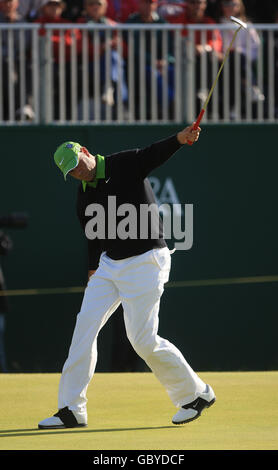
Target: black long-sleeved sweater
x,y
126,179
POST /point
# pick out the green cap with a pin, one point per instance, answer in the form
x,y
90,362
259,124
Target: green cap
x,y
66,157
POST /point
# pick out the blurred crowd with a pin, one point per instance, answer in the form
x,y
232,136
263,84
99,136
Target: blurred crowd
x,y
132,11
120,10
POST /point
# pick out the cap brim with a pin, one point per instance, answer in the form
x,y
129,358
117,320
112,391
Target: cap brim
x,y
72,164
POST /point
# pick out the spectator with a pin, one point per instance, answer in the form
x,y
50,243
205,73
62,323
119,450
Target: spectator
x,y
147,13
171,9
11,77
73,10
120,10
9,11
195,13
29,10
95,13
236,8
205,51
51,12
176,8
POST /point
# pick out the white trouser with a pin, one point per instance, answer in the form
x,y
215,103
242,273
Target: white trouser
x,y
138,284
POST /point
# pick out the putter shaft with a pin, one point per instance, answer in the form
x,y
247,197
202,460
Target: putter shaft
x,y
202,112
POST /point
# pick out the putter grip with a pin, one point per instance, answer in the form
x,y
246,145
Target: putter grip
x,y
196,124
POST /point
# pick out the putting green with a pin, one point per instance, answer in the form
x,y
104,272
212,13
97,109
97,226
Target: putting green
x,y
132,411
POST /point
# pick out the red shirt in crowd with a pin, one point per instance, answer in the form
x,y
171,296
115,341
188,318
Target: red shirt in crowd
x,y
213,37
55,38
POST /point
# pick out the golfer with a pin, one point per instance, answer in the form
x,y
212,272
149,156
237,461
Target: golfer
x,y
127,270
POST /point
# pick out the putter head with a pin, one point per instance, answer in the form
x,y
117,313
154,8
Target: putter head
x,y
238,22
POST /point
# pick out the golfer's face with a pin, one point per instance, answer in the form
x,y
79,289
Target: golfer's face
x,y
86,163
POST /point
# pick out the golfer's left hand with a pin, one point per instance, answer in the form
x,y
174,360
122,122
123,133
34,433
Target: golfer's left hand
x,y
188,135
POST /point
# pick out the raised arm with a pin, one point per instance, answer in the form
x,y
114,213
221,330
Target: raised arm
x,y
142,162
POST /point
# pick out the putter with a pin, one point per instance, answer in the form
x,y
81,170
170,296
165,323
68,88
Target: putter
x,y
243,25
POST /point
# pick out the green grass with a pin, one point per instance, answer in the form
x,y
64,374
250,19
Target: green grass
x,y
132,411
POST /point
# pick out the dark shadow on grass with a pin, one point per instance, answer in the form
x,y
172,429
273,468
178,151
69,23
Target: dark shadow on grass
x,y
40,432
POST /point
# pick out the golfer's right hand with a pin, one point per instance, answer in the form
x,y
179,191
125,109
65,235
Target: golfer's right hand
x,y
189,134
